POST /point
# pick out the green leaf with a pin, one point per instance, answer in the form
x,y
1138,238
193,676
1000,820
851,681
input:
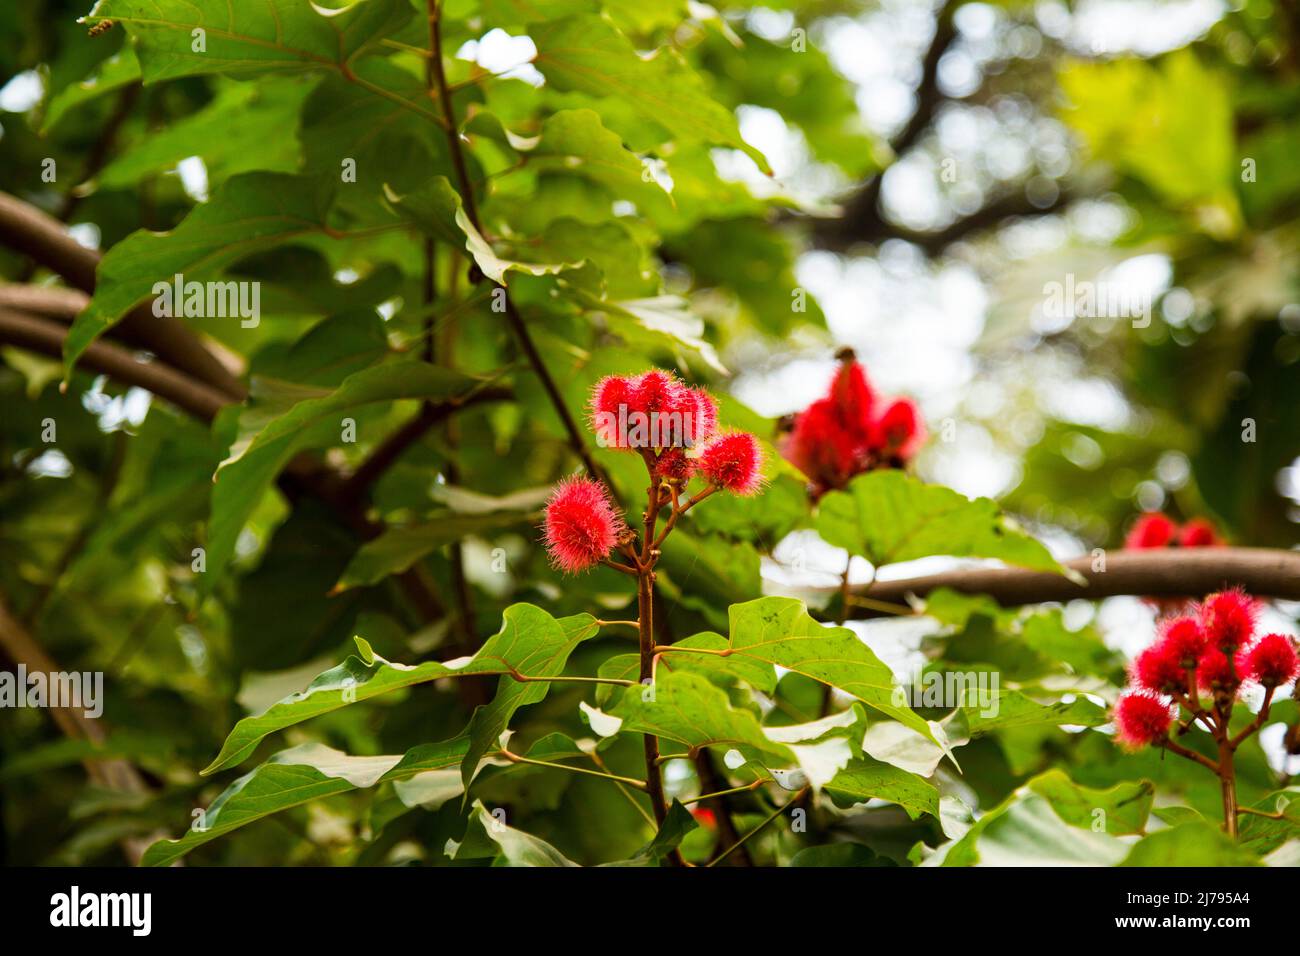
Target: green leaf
x,y
534,644
436,208
888,516
1025,831
241,38
672,831
1263,835
253,464
119,70
250,213
780,631
1190,844
241,129
1009,708
724,670
398,548
867,779
688,709
1123,809
530,642
576,142
297,776
838,854
587,54
513,847
1169,123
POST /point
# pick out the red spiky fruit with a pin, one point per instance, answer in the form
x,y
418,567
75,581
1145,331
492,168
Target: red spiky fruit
x,y
1141,719
1270,661
733,461
1228,619
582,525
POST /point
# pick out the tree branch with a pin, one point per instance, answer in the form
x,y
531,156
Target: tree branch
x,y
862,219
395,445
42,237
1187,573
46,336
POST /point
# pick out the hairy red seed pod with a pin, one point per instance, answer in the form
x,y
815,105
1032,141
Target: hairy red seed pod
x,y
733,461
652,410
674,463
611,400
703,421
581,526
1270,661
1141,719
1228,619
1159,669
1183,639
1151,530
1215,672
1198,533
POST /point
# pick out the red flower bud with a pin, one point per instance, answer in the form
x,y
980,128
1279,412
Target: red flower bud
x,y
733,461
581,526
1141,718
1270,661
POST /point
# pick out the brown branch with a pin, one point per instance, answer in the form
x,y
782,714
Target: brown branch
x,y
1172,572
863,221
27,229
46,336
395,445
113,773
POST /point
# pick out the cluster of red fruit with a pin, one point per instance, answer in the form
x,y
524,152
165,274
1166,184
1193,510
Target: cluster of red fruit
x,y
1214,651
675,429
850,431
1156,530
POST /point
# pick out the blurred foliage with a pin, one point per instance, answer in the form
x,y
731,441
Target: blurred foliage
x,y
606,199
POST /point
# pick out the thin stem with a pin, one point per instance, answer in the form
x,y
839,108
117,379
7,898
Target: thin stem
x,y
619,566
613,778
1255,724
724,793
1182,751
1274,815
527,679
1228,784
636,804
678,510
665,648
741,842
